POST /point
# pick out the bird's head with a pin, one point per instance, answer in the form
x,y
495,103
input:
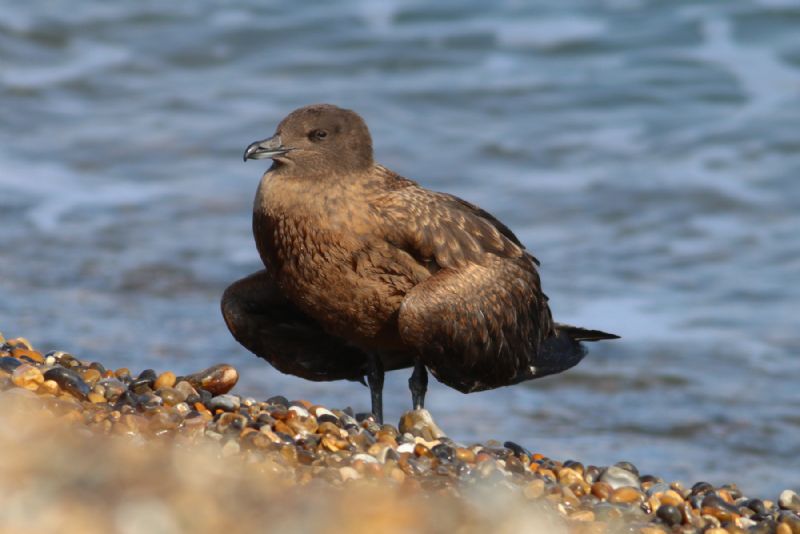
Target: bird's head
x,y
317,138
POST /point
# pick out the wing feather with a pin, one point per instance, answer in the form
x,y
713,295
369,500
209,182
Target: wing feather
x,y
479,319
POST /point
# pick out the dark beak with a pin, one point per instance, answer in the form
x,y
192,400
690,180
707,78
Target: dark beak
x,y
268,148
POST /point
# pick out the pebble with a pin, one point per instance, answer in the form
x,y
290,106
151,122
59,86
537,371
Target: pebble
x,y
348,473
617,477
91,376
420,423
164,380
582,515
309,443
792,521
113,388
49,387
9,363
626,495
299,410
230,448
226,402
789,500
659,487
217,379
406,448
601,490
670,497
320,411
670,514
170,396
32,356
185,388
534,489
68,380
27,376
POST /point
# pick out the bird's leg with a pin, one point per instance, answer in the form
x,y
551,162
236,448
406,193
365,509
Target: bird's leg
x,y
375,382
418,384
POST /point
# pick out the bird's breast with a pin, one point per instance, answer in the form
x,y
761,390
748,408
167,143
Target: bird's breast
x,y
327,269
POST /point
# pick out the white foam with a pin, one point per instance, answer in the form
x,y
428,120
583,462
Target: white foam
x,y
81,59
59,191
767,80
378,15
550,32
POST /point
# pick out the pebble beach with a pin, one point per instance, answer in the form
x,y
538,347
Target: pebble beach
x,y
149,450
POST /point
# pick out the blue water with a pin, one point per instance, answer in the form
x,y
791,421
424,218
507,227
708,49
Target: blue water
x,y
647,152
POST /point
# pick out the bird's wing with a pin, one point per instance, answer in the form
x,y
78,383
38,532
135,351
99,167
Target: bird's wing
x,y
479,319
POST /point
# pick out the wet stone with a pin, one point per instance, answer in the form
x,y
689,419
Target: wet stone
x,y
90,376
516,449
150,401
143,382
670,515
113,388
607,512
27,376
617,477
303,425
49,387
575,466
363,416
19,342
279,400
465,455
756,505
300,411
626,495
444,453
68,380
568,476
582,515
170,396
420,423
793,522
767,526
27,355
702,488
592,474
327,418
9,363
164,380
320,411
659,487
670,497
217,380
627,466
231,422
789,500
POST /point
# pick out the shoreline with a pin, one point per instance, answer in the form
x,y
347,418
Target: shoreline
x,y
316,450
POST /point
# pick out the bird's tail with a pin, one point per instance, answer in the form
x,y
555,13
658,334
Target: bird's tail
x,y
583,334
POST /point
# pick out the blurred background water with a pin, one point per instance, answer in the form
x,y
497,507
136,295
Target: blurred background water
x,y
647,152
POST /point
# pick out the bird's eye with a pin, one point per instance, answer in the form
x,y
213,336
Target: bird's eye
x,y
318,135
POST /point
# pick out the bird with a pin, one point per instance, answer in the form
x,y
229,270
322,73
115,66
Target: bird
x,y
366,272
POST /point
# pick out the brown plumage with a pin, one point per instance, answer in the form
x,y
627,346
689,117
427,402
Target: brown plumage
x,y
366,271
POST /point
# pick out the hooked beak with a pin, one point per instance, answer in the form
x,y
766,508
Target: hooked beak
x,y
268,148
